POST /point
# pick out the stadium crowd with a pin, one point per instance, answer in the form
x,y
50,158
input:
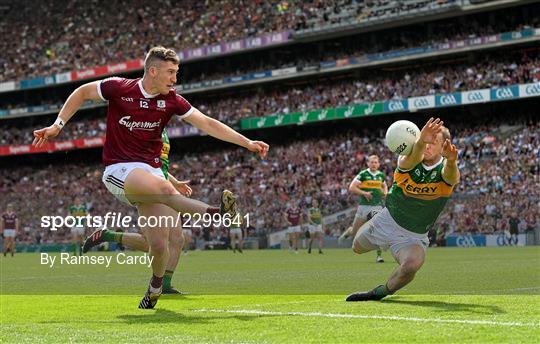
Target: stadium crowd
x,y
51,37
488,195
372,86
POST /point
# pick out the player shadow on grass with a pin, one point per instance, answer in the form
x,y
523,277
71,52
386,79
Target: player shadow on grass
x,y
168,316
449,306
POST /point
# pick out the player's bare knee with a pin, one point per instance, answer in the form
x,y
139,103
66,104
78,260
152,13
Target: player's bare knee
x,y
411,265
165,188
159,247
357,248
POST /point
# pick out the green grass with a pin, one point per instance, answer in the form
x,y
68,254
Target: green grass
x,y
460,295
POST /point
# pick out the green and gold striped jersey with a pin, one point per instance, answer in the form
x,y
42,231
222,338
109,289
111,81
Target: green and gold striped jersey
x,y
418,196
371,182
315,215
79,211
165,153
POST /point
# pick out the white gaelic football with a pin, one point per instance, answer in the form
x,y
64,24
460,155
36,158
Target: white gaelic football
x,y
401,136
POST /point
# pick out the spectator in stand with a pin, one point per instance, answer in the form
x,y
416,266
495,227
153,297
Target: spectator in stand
x,y
322,167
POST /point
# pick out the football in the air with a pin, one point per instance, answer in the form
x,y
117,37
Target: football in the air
x,y
401,136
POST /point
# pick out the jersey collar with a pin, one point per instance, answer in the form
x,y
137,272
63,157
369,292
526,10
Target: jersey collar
x,y
144,93
429,168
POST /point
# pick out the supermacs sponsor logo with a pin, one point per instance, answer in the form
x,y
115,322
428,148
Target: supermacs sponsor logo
x,y
19,149
64,145
138,125
98,141
117,67
85,73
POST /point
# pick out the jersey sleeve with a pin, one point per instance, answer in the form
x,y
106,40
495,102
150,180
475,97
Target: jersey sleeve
x,y
183,107
110,87
359,176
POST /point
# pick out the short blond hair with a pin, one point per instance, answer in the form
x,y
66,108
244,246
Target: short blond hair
x,y
160,54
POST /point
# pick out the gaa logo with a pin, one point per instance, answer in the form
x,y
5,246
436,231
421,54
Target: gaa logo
x,y
504,93
401,148
533,89
395,106
448,100
421,102
475,97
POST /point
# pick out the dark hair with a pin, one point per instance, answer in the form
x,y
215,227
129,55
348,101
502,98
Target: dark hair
x,y
160,54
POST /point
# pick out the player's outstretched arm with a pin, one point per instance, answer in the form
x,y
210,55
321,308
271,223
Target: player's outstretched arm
x,y
428,134
450,172
354,188
225,133
88,91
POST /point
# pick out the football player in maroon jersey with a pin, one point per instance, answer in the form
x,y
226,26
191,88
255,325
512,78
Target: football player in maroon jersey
x,y
138,110
9,227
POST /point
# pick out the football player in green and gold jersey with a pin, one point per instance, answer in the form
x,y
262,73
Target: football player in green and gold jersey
x,y
423,183
370,187
79,211
316,230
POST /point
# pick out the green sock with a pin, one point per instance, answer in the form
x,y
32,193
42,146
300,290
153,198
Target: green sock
x,y
379,252
382,290
167,279
111,236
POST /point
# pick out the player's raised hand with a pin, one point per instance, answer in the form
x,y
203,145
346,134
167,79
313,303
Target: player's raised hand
x,y
449,151
429,132
183,187
368,195
42,135
258,147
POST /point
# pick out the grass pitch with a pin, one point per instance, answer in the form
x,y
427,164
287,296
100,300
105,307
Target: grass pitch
x,y
460,295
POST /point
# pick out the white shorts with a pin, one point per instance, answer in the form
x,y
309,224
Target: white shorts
x,y
315,228
115,175
363,211
78,229
384,233
236,231
187,232
9,233
294,229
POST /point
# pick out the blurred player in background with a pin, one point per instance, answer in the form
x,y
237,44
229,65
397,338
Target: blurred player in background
x,y
188,235
293,219
316,230
137,241
235,230
10,228
138,111
370,186
79,211
423,183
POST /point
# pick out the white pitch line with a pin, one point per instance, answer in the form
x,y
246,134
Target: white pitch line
x,y
355,316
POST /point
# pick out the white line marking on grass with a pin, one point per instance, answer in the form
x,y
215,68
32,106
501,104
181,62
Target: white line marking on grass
x,y
355,316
